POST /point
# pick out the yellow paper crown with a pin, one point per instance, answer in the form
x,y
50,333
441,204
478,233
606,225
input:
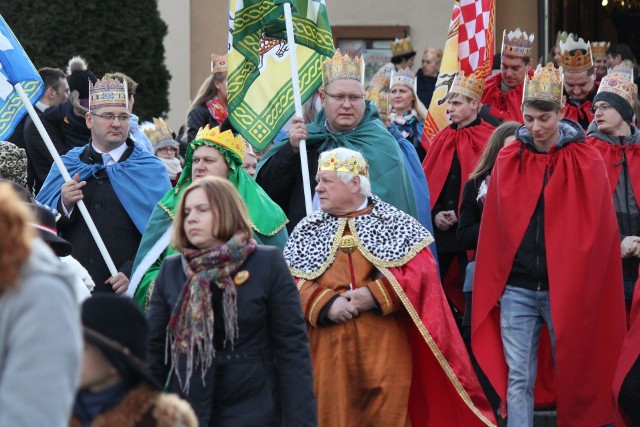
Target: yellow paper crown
x,y
224,139
545,85
576,55
218,63
470,86
353,165
517,43
380,99
621,84
403,76
108,93
342,67
401,47
159,133
599,48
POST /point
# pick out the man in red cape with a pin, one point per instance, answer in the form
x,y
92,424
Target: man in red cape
x,y
385,348
618,140
503,92
453,155
549,253
579,80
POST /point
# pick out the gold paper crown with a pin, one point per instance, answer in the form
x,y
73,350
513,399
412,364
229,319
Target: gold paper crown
x,y
517,43
342,67
107,93
470,86
353,165
403,76
218,63
545,85
159,133
224,139
380,98
576,55
401,47
620,84
599,48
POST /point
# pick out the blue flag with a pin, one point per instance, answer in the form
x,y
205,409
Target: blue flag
x,y
15,67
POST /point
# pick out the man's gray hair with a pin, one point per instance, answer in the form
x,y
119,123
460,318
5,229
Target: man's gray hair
x,y
345,155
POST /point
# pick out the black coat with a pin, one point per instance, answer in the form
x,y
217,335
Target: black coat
x,y
470,215
39,156
119,233
197,118
266,380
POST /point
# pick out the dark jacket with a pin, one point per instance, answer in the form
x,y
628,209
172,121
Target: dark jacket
x,y
119,233
266,379
426,86
69,119
470,215
197,118
529,268
39,156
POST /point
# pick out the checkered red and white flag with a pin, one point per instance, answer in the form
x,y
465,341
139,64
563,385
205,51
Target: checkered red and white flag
x,y
469,48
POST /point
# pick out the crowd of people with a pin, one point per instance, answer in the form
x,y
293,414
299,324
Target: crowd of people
x,y
461,281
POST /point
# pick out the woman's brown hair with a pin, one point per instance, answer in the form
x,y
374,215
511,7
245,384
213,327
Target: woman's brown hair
x,y
226,204
16,236
495,144
208,89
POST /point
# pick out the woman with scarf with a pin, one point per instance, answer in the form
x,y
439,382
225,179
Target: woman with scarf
x,y
212,153
209,107
404,106
226,312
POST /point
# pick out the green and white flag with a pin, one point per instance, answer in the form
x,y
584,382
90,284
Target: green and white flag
x,y
260,93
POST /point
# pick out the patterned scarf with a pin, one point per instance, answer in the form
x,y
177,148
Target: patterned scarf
x,y
217,109
190,329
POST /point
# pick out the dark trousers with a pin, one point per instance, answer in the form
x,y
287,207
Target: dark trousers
x,y
629,397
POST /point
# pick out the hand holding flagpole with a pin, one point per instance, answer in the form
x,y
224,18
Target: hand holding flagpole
x,y
298,105
65,174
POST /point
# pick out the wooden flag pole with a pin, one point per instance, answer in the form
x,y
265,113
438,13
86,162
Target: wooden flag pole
x,y
65,175
293,60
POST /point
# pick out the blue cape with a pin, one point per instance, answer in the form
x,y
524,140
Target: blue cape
x,y
139,182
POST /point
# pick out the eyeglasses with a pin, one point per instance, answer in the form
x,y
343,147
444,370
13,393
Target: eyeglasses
x,y
111,117
601,107
341,98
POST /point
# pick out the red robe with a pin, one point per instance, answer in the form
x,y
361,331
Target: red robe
x,y
584,268
469,142
582,113
613,156
506,106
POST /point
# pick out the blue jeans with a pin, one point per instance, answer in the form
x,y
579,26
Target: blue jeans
x,y
522,312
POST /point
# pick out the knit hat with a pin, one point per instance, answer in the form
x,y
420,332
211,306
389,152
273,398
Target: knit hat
x,y
117,326
617,102
78,77
13,163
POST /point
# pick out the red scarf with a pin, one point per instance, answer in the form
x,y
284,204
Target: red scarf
x,y
584,267
469,142
217,109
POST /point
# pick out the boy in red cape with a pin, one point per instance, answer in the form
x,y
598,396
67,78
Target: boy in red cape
x,y
618,140
549,254
453,154
503,92
579,80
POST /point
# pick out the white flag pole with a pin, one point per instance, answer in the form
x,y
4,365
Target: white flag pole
x,y
66,177
293,59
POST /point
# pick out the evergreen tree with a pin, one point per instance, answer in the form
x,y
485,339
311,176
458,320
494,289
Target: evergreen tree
x,y
112,35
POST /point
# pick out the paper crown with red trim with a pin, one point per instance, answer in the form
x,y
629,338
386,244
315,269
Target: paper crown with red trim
x,y
224,139
620,81
576,55
218,63
599,48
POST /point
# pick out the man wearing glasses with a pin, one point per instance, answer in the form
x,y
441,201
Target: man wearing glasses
x,y
618,140
346,120
119,182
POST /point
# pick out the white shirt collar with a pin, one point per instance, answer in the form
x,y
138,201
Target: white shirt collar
x,y
41,106
115,154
